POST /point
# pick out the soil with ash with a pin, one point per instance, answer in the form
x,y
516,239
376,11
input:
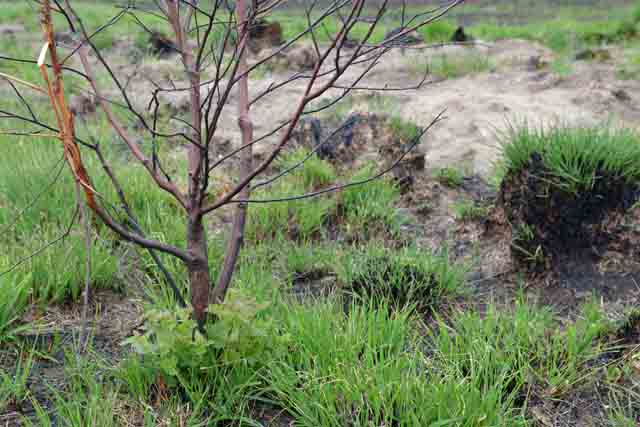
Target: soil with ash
x,y
568,246
359,138
562,225
55,330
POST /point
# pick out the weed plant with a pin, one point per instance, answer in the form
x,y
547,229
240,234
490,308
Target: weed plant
x,y
14,389
14,295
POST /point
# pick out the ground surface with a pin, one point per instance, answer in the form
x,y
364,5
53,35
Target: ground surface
x,y
516,80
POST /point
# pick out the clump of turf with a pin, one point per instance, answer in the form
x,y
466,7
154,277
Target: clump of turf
x,y
564,190
407,278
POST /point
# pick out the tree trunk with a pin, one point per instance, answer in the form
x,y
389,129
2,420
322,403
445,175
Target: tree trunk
x,y
199,279
246,165
246,129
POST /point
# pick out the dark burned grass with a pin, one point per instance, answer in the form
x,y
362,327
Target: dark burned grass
x,y
401,279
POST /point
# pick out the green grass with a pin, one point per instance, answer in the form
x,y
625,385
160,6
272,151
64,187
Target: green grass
x,y
381,103
562,67
85,401
574,156
450,66
524,347
368,206
451,177
15,295
405,130
334,109
351,208
364,367
407,278
93,15
300,218
56,273
630,68
569,28
38,211
369,362
14,390
563,34
38,208
468,210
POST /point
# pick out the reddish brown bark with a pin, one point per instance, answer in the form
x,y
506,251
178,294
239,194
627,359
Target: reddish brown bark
x,y
246,164
198,269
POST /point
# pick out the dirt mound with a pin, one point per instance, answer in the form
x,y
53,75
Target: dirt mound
x,y
550,224
264,34
296,58
518,53
161,45
479,105
300,58
363,137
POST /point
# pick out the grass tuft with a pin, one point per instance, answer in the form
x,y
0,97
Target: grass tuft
x,y
407,278
451,177
14,295
468,210
575,157
369,206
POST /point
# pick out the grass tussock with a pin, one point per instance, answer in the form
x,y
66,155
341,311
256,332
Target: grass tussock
x,y
575,157
451,177
408,278
562,188
468,210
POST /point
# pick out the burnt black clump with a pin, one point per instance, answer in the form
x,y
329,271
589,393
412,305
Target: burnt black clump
x,y
390,280
459,36
332,141
162,45
550,223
